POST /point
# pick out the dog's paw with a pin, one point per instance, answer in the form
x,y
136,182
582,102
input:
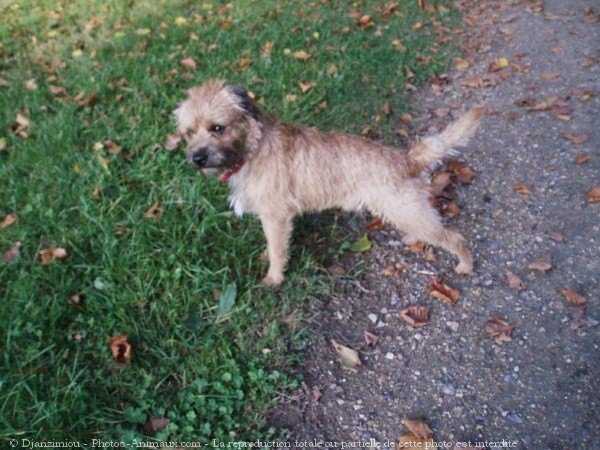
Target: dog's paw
x,y
272,280
464,267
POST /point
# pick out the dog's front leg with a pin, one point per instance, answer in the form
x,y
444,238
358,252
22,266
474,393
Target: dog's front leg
x,y
277,230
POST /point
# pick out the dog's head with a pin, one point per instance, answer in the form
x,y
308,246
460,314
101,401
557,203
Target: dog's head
x,y
221,125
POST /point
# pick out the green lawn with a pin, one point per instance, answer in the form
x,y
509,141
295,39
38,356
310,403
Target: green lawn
x,y
110,71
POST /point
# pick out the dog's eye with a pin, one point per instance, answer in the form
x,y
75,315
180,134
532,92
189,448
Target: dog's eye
x,y
189,133
218,129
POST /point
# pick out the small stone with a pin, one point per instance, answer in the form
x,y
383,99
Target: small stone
x,y
389,355
514,418
373,318
453,326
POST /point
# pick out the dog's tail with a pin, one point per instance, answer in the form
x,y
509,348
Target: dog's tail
x,y
431,150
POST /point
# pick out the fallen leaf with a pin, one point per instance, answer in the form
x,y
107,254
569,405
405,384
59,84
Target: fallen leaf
x,y
573,296
31,85
172,142
542,264
9,220
301,55
156,424
362,245
522,189
48,255
120,349
443,292
582,159
549,75
499,329
442,112
514,282
370,339
416,316
244,63
439,181
188,63
594,195
291,98
577,140
154,212
419,428
180,21
349,358
266,49
461,64
555,236
332,70
12,253
417,247
463,174
386,108
498,64
406,118
305,87
375,224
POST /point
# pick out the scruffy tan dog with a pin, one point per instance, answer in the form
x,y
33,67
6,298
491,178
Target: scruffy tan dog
x,y
277,170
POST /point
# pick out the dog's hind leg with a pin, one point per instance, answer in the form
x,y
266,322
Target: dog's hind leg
x,y
412,214
278,231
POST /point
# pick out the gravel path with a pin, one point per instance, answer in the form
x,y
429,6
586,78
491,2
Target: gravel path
x,y
540,389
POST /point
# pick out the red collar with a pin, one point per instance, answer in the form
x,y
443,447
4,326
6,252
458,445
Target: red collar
x,y
230,172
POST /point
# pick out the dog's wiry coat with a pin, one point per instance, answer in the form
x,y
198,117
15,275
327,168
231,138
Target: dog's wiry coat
x,y
290,169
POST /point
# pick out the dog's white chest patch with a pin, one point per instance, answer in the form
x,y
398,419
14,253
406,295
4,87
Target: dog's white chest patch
x,y
238,204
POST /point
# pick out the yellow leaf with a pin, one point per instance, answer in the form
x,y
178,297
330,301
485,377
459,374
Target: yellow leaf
x,y
502,63
77,53
180,21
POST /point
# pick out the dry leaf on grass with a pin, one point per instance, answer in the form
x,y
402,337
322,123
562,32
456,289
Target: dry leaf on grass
x,y
443,292
416,316
9,220
188,63
594,195
154,212
514,282
305,87
522,189
543,264
120,348
573,296
499,329
156,424
301,55
348,357
50,254
12,253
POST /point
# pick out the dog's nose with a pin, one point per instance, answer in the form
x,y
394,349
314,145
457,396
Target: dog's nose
x,y
199,158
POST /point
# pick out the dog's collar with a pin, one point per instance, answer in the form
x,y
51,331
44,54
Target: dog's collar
x,y
230,172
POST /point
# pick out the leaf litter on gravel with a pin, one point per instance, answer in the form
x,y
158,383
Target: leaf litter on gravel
x,y
443,292
499,329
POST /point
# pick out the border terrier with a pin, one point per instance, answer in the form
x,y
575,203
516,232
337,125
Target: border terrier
x,y
277,170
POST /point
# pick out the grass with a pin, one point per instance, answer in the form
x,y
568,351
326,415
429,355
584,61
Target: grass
x,y
158,280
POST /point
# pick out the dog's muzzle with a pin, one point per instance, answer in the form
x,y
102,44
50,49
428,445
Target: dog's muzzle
x,y
200,157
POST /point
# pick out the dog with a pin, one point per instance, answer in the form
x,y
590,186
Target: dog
x,y
277,170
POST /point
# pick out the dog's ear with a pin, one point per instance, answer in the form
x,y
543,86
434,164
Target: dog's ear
x,y
244,100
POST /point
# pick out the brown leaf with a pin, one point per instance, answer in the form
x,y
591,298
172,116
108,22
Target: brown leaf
x,y
573,296
48,255
522,189
582,159
442,112
244,63
156,424
416,316
450,209
172,142
56,90
542,264
386,108
555,236
370,339
332,70
31,85
348,357
120,349
188,63
594,195
417,247
499,329
439,181
549,75
154,212
577,140
460,170
9,220
514,282
301,55
12,253
419,428
82,100
443,292
266,49
406,118
375,224
305,87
